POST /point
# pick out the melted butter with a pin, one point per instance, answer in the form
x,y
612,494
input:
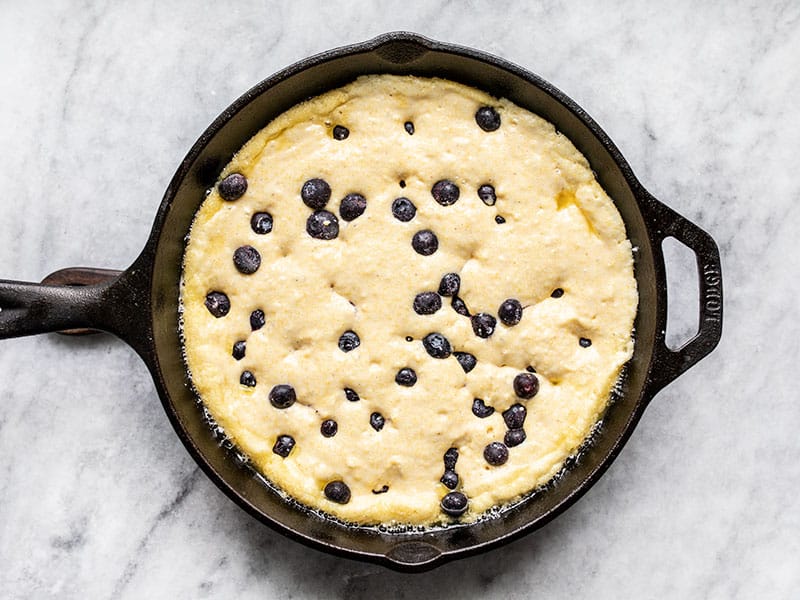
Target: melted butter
x,y
567,199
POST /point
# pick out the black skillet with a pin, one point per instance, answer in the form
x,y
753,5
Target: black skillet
x,y
140,305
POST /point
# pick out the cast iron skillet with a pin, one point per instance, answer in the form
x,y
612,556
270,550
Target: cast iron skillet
x,y
140,304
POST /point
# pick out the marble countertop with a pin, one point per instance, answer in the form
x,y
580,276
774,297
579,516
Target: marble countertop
x,y
100,101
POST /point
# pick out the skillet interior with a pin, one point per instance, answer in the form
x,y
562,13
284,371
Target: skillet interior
x,y
399,54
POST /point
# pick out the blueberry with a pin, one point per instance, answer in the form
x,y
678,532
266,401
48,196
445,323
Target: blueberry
x,y
427,303
499,220
351,395
496,454
450,458
480,410
218,304
377,421
557,293
247,260
450,479
530,369
406,376
282,396
247,379
514,437
487,118
402,183
454,504
466,360
459,306
239,349
409,127
232,187
329,428
315,193
403,209
337,491
340,132
349,341
450,284
257,319
483,324
352,206
515,416
261,223
510,312
322,225
283,445
526,385
383,489
445,192
436,345
425,242
487,195
585,342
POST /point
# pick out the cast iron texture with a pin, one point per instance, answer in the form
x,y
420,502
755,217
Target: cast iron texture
x,y
141,304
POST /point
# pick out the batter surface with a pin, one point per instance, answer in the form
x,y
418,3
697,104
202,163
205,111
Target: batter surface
x,y
407,301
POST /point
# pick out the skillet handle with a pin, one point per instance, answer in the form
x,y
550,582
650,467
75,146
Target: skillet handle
x,y
80,277
663,222
78,301
63,302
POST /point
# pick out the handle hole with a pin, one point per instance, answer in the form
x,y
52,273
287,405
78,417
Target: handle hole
x,y
683,291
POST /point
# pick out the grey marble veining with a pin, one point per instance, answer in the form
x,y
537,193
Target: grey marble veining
x,y
99,101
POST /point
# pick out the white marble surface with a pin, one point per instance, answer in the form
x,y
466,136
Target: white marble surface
x,y
99,101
